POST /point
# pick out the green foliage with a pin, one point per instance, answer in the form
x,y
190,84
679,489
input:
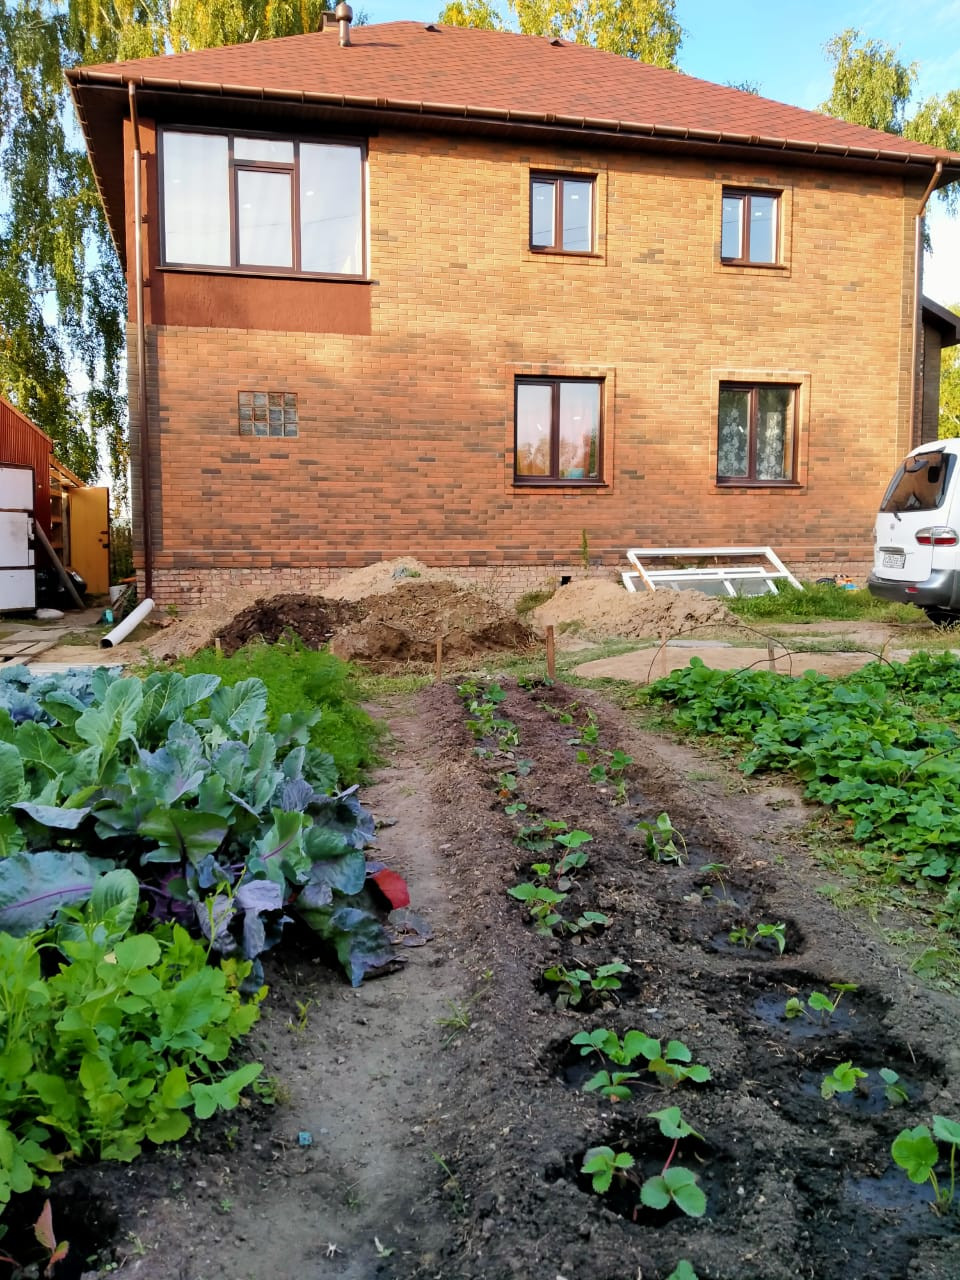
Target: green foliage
x,y
571,982
672,1061
660,840
916,1152
178,778
118,1047
866,745
297,678
816,600
872,87
819,1002
949,423
893,1090
741,936
643,29
601,1163
844,1078
678,1186
683,1271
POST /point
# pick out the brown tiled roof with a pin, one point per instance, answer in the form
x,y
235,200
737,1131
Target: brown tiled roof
x,y
495,72
489,81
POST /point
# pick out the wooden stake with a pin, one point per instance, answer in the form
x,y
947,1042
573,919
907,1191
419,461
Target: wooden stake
x,y
439,663
551,654
771,660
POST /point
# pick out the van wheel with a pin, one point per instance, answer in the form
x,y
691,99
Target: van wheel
x,y
942,617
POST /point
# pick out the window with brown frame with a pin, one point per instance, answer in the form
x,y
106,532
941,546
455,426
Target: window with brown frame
x,y
750,230
281,205
558,430
757,433
561,213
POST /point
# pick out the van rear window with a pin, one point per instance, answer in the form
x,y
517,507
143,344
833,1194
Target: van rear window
x,y
920,484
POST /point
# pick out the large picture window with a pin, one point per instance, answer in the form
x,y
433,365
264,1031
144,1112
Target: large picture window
x,y
266,204
750,231
756,433
558,426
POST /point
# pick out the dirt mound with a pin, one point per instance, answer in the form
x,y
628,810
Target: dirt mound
x,y
312,618
603,608
385,576
185,636
403,625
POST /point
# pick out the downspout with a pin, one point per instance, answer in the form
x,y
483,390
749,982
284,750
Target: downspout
x,y
141,350
916,417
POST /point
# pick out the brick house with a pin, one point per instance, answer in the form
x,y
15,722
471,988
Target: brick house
x,y
483,297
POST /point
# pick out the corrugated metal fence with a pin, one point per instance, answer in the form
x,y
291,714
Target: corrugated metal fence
x,y
23,444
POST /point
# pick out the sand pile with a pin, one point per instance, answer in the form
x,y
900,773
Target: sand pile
x,y
605,609
385,576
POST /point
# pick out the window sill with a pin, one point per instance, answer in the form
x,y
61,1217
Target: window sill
x,y
737,264
750,486
254,274
548,482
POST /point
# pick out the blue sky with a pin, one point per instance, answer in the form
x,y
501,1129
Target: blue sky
x,y
779,47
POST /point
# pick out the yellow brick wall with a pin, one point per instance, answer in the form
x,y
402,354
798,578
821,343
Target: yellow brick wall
x,y
405,443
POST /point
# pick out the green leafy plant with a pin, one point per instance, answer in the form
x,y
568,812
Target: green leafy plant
x,y
683,1271
743,937
895,1093
574,984
844,1078
673,1061
603,1164
117,1047
660,840
819,1002
714,869
916,1152
674,1184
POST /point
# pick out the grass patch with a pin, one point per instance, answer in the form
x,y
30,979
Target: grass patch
x,y
298,677
820,600
531,600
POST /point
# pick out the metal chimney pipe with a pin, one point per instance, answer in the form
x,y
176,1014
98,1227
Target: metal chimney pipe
x,y
344,16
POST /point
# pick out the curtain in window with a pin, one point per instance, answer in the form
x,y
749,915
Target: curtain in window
x,y
733,434
773,404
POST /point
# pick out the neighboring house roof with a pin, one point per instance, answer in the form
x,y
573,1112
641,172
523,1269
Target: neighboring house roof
x,y
464,80
944,320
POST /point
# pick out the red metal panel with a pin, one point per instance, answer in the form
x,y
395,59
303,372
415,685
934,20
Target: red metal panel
x,y
23,444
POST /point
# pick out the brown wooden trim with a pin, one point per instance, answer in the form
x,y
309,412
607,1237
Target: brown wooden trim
x,y
258,273
745,194
751,481
554,479
556,179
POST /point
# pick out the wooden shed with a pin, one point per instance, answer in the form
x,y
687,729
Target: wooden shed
x,y
24,445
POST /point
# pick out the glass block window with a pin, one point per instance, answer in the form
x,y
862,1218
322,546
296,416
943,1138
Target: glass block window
x,y
268,413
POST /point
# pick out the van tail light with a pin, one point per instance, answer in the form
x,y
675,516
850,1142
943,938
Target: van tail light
x,y
937,535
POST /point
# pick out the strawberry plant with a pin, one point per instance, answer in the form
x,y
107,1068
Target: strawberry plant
x,y
916,1152
660,840
742,936
844,1078
672,1061
818,1002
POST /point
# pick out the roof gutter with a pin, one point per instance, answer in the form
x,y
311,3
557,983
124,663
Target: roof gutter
x,y
80,76
916,414
144,432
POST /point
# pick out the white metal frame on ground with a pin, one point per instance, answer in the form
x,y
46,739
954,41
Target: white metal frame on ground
x,y
726,575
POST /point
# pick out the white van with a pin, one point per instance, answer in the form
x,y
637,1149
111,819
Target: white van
x,y
916,558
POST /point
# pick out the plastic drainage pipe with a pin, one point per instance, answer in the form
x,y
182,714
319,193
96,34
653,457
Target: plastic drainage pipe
x,y
123,629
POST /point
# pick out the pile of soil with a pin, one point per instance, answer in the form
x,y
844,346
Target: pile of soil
x,y
405,624
604,608
311,618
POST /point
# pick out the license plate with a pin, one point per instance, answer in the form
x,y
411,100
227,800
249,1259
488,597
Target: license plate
x,y
894,559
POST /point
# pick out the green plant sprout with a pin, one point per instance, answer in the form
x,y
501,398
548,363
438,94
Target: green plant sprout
x,y
540,901
713,869
612,1084
683,1271
673,1182
673,1061
741,936
844,1078
660,840
819,1002
915,1151
893,1090
602,1165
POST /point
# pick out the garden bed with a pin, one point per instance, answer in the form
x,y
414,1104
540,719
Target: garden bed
x,y
447,1119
